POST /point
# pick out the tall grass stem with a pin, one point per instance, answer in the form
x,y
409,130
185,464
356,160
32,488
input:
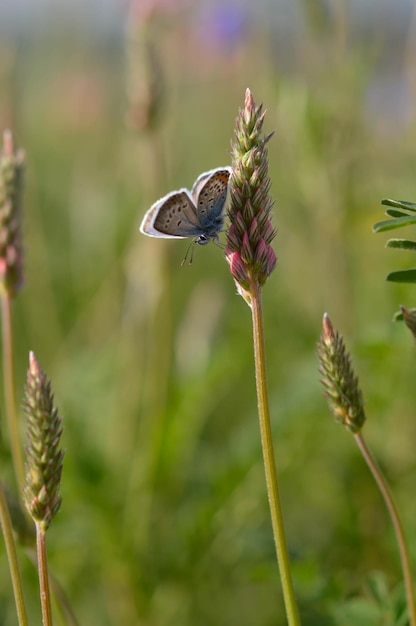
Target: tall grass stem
x,y
269,459
395,519
7,531
10,390
45,596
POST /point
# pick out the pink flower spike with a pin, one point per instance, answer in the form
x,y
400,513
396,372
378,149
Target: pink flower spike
x,y
250,201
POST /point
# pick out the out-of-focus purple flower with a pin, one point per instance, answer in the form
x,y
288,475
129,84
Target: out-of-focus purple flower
x,y
222,26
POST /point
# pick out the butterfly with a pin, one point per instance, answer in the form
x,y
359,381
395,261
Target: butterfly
x,y
197,213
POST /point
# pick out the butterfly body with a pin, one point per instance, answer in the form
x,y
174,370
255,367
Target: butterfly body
x,y
197,213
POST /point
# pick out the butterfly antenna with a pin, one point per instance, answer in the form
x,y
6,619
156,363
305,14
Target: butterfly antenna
x,y
192,246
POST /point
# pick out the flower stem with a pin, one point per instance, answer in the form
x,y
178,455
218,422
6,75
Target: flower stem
x,y
268,457
398,528
45,597
10,390
6,527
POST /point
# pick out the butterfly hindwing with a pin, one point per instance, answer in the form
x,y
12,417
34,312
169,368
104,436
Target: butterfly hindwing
x,y
172,216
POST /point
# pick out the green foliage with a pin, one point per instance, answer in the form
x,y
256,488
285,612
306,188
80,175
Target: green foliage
x,y
403,215
378,605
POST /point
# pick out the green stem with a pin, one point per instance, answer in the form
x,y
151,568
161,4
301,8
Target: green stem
x,y
10,391
398,528
45,596
268,457
6,527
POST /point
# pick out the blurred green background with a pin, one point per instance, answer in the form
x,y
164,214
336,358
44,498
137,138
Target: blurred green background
x,y
165,518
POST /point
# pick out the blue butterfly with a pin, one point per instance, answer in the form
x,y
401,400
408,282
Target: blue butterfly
x,y
197,213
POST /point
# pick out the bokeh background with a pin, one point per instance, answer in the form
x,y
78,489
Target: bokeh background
x,y
165,517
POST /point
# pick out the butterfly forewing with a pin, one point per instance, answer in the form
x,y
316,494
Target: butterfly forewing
x,y
209,193
199,183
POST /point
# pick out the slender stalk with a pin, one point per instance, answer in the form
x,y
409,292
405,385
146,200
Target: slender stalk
x,y
398,528
45,597
6,527
10,390
268,457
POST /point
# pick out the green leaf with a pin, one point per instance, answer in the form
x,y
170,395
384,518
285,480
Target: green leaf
x,y
402,244
402,276
400,204
397,213
392,224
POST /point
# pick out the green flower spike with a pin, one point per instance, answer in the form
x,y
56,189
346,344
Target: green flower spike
x,y
11,187
44,456
341,385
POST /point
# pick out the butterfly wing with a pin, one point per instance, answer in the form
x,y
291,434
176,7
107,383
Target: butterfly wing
x,y
172,216
209,194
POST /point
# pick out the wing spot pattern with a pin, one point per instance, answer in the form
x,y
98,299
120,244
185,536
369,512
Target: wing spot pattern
x,y
208,196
